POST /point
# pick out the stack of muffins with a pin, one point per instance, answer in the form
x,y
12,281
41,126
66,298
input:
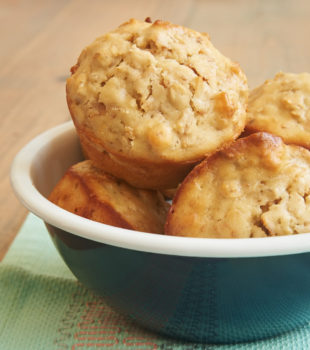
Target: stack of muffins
x,y
158,110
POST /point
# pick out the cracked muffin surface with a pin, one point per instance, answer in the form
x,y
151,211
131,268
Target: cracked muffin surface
x,y
281,106
156,92
257,187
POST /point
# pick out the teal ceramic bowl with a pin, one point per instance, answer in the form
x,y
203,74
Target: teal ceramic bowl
x,y
203,290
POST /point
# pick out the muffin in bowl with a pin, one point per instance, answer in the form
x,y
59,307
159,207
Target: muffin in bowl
x,y
150,100
91,193
281,106
258,187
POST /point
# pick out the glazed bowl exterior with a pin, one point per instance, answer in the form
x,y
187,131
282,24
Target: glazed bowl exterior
x,y
202,290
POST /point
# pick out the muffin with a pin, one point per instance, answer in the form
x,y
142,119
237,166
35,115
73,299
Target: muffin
x,y
281,106
150,100
89,192
257,187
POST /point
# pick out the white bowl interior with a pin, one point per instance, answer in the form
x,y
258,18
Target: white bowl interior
x,y
42,162
52,159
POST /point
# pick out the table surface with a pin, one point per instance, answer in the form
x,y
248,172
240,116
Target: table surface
x,y
41,40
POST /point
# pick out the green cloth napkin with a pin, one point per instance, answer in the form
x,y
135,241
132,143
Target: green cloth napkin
x,y
43,306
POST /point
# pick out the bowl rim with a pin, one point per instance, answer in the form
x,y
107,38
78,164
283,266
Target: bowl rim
x,y
34,201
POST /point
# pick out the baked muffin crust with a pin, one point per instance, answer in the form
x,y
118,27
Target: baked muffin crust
x,y
89,192
157,92
281,106
257,187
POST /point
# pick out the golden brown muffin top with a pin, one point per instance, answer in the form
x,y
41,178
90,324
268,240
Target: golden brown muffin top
x,y
157,91
257,187
93,194
281,106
